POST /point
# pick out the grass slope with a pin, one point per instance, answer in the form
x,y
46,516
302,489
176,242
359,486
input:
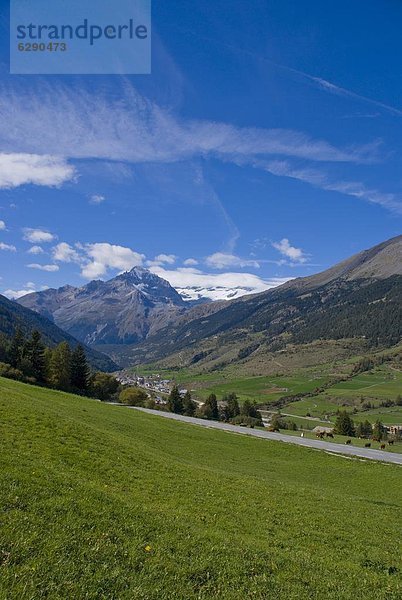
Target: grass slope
x,y
102,502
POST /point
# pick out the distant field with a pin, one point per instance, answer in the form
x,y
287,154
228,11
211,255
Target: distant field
x,y
260,389
380,384
102,502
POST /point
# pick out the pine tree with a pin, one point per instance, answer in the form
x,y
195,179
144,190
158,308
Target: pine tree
x,y
210,408
344,424
60,367
35,354
79,370
230,407
16,348
175,402
249,409
189,406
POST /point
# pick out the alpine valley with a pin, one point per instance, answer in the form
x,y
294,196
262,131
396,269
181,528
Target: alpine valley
x,y
138,318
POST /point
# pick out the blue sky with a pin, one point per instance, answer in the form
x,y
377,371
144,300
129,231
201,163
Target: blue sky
x,y
266,144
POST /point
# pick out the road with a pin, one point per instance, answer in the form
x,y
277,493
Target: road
x,y
366,453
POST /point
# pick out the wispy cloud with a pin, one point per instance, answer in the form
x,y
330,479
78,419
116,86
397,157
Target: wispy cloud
x,y
48,268
321,180
341,91
77,124
319,82
222,260
7,247
162,259
96,199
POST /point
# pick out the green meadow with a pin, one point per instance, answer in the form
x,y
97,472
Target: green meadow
x,y
263,389
104,502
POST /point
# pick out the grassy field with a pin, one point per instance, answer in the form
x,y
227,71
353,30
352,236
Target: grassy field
x,y
382,384
103,502
261,389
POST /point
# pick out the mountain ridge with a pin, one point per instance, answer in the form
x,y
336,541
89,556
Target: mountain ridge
x,y
123,309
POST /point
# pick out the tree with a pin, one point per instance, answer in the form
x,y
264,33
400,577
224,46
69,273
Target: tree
x,y
79,370
60,367
344,424
103,386
379,431
249,409
16,347
189,406
364,430
277,422
175,402
133,396
35,355
230,408
210,408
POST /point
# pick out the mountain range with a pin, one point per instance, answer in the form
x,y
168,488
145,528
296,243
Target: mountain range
x,y
359,298
139,317
123,310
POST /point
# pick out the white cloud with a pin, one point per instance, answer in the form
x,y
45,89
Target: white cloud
x,y
97,199
104,256
2,226
190,262
8,247
48,268
221,260
162,259
35,250
294,254
15,294
20,169
38,236
193,283
63,252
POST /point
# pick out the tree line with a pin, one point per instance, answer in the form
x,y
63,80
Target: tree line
x,y
227,409
344,425
63,368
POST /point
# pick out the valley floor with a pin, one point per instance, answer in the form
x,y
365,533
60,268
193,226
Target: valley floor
x,y
98,502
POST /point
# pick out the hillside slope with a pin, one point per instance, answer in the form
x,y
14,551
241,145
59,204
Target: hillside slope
x,y
13,316
102,501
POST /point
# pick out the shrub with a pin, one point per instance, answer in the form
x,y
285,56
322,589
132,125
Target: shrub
x,y
133,396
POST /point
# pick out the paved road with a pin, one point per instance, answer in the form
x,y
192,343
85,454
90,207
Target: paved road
x,y
371,454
